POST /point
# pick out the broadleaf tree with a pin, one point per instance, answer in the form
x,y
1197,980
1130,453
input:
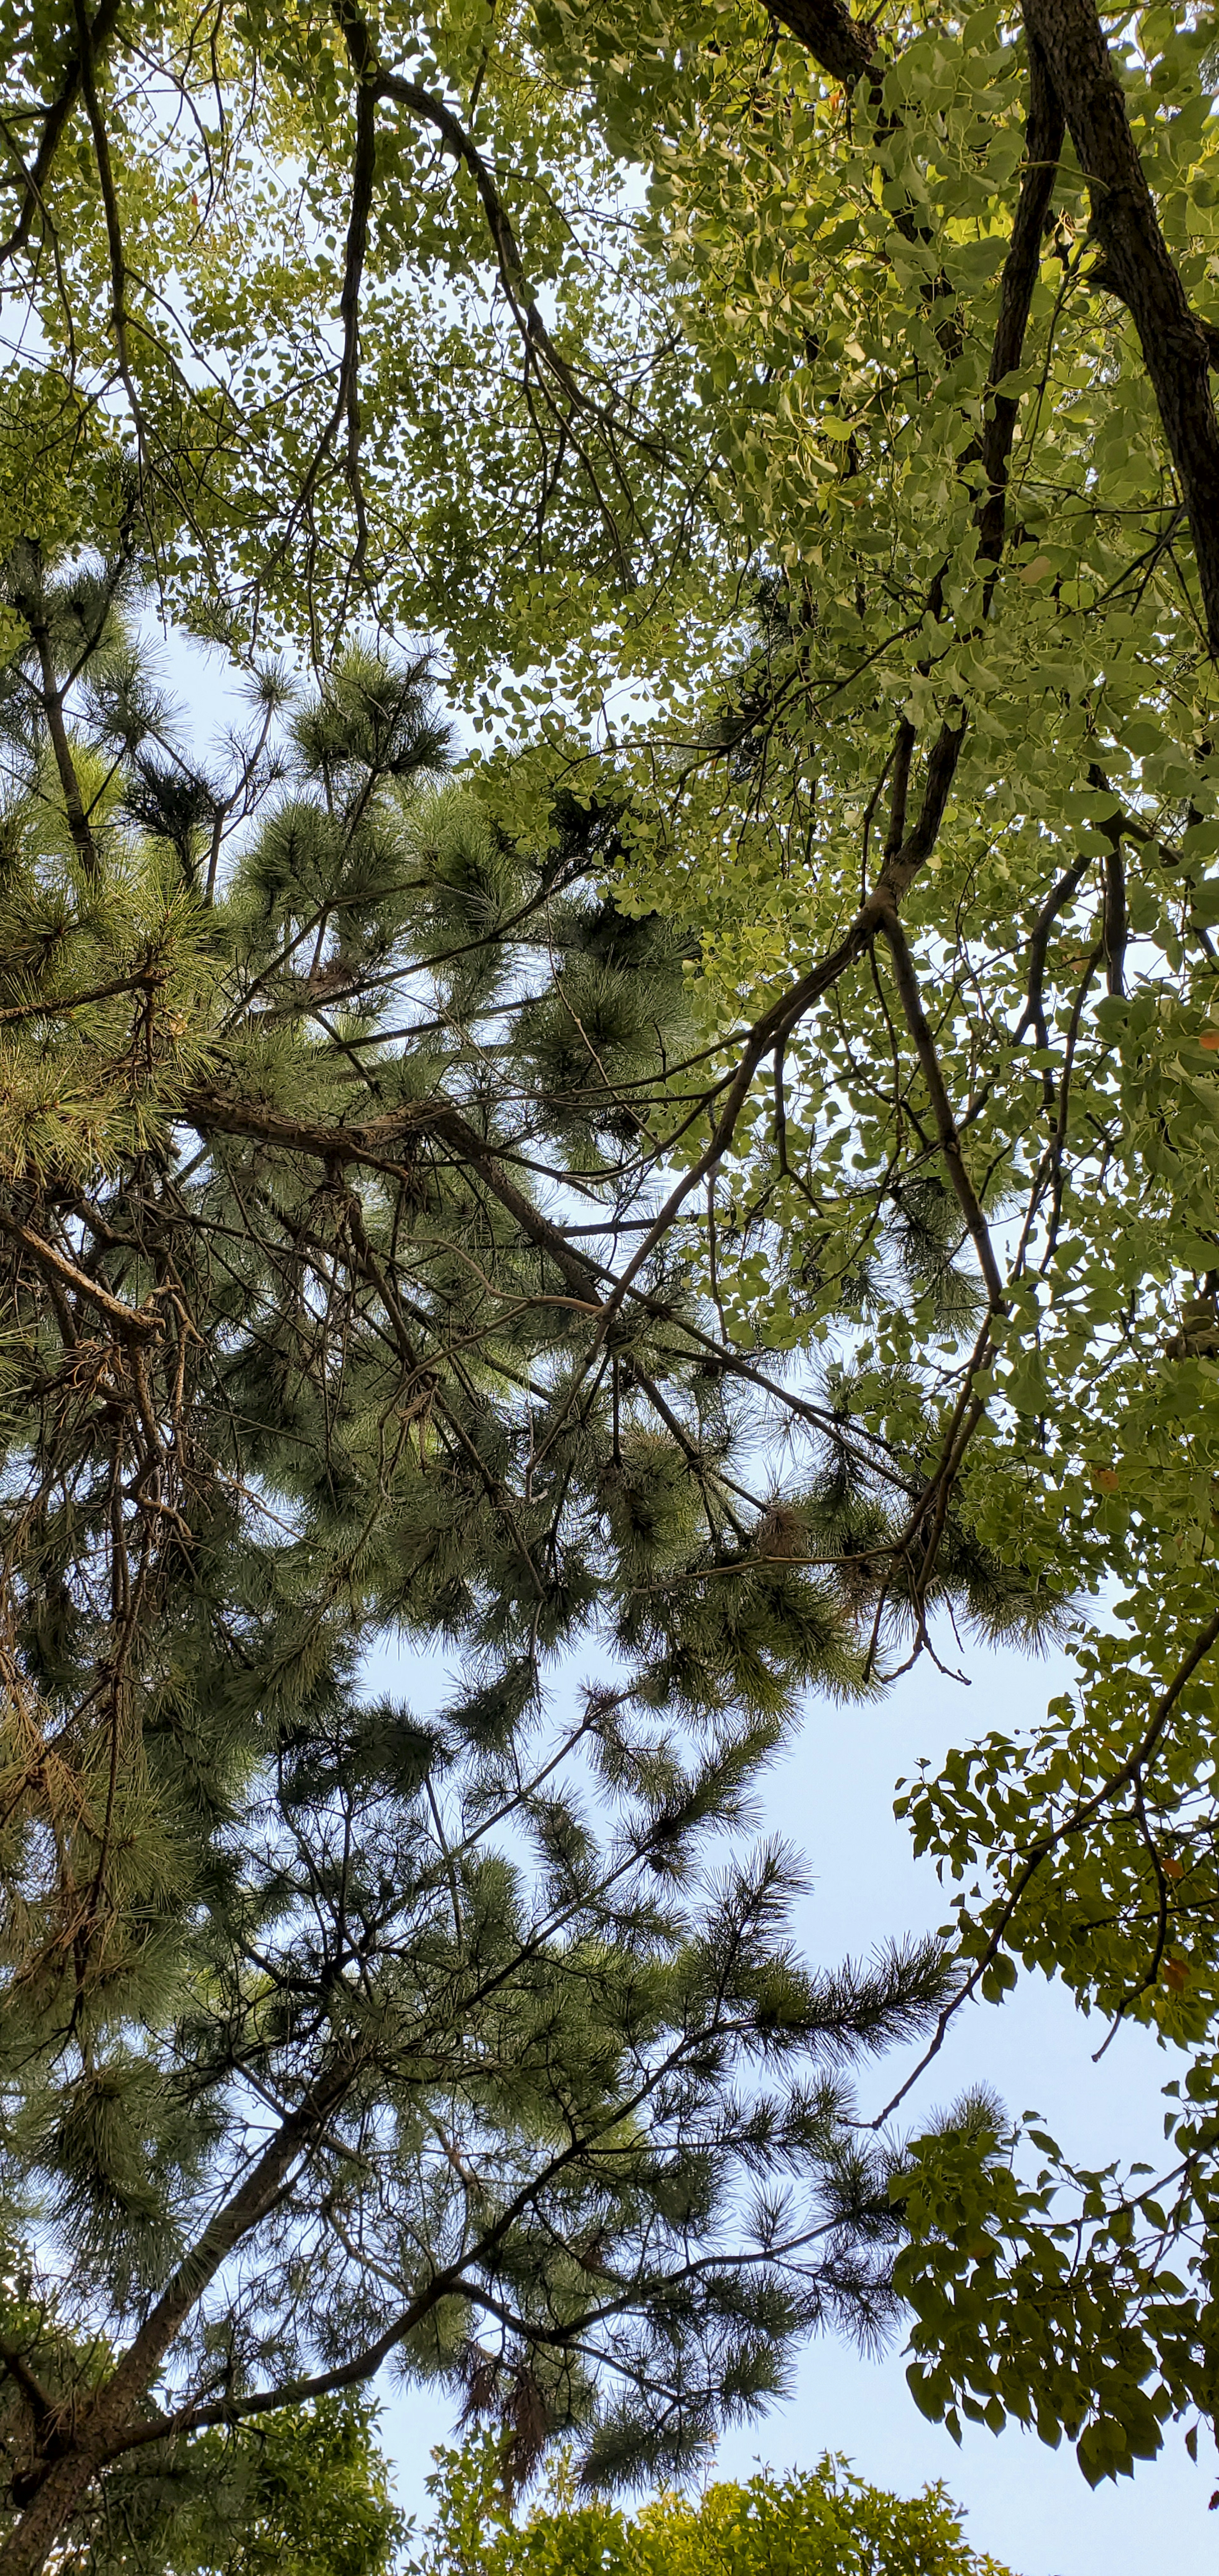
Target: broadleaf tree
x,y
825,2521
306,2491
800,429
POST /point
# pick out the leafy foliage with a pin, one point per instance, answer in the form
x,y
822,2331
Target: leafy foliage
x,y
803,441
823,2521
305,2491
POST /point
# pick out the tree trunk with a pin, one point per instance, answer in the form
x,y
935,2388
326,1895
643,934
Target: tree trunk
x,y
30,2543
107,2424
1138,266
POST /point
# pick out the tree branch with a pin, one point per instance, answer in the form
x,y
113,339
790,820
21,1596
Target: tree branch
x,y
843,47
1043,142
1033,1014
1129,1771
114,231
51,698
950,1143
55,117
376,83
101,2429
133,1321
1139,267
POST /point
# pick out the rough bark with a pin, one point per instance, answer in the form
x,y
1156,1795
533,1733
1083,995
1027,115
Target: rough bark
x,y
55,118
1071,62
1043,141
45,2518
843,47
1138,266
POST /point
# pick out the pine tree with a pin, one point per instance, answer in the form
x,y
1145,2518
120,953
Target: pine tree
x,y
341,2028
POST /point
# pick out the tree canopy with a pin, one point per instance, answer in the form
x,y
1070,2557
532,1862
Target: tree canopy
x,y
796,432
823,2522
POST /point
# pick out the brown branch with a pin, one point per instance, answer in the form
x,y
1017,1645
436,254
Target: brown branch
x,y
899,871
836,40
197,2418
51,698
434,112
133,1321
950,1143
371,1145
1138,266
50,1010
1043,142
1115,920
846,50
110,209
906,853
1072,80
363,173
55,118
1059,1137
1033,1014
763,1037
41,2406
902,756
348,399
101,2430
230,2224
376,83
1151,1975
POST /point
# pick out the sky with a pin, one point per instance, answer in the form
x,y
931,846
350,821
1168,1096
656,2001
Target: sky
x,y
832,1796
